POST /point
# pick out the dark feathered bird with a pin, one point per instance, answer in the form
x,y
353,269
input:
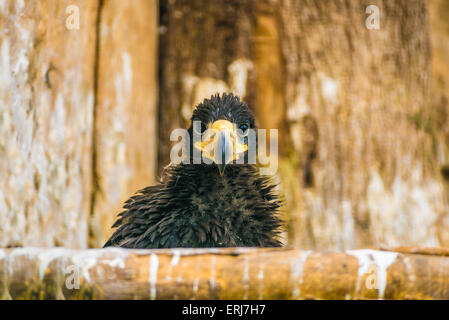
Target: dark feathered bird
x,y
215,204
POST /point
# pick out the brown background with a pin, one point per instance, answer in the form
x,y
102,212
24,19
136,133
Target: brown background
x,y
85,114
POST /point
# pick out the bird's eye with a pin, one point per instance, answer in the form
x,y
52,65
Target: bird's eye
x,y
199,127
243,127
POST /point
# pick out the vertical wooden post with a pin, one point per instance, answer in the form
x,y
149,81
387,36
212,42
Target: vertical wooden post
x,y
46,104
126,116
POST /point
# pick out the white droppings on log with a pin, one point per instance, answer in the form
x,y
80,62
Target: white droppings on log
x,y
85,260
33,267
364,262
176,257
117,262
29,252
260,277
212,273
196,283
154,266
297,269
382,260
245,277
46,257
120,257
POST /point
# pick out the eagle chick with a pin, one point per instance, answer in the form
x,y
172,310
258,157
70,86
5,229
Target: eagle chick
x,y
216,203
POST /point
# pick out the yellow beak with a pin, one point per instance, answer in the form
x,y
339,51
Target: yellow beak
x,y
220,144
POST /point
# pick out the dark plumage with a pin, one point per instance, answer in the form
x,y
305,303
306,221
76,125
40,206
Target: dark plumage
x,y
199,205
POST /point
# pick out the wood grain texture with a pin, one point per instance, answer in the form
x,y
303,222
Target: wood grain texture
x,y
353,107
362,113
46,103
204,49
126,111
439,39
231,273
376,177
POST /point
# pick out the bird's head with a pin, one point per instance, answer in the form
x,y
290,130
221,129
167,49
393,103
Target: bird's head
x,y
222,124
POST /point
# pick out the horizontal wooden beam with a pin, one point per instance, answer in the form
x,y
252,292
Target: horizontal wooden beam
x,y
231,273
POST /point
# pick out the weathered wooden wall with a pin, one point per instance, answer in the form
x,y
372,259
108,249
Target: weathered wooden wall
x,y
439,37
376,175
126,109
359,165
46,117
77,117
362,113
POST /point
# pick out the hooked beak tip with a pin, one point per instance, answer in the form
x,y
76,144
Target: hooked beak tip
x,y
221,168
221,145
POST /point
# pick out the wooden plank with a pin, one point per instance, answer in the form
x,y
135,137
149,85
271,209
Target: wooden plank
x,y
126,115
46,103
439,40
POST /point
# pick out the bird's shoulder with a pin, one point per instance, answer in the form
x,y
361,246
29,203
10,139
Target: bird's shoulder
x,y
141,213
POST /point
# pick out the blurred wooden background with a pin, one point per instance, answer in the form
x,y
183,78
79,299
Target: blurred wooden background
x,y
86,113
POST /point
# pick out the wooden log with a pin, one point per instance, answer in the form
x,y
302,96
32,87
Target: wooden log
x,y
230,273
419,250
